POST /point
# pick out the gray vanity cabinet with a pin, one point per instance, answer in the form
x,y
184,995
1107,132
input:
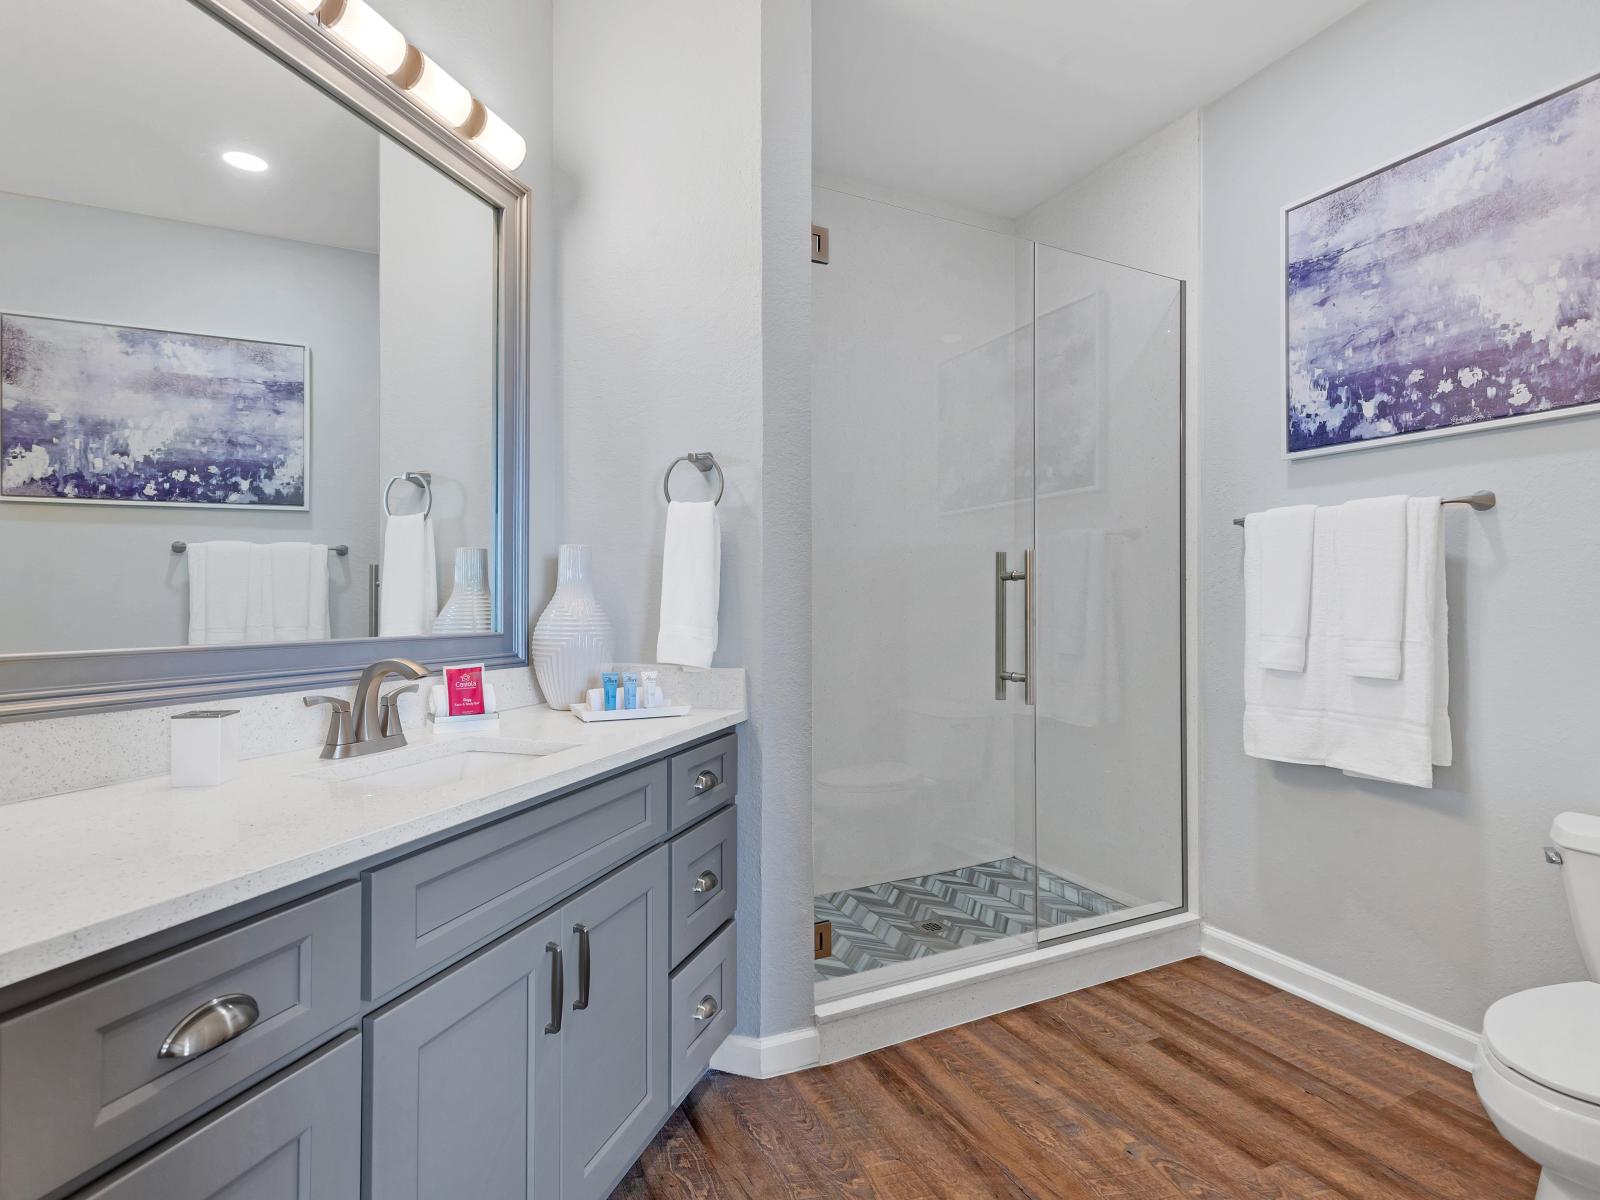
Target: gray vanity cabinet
x,y
536,1068
615,1055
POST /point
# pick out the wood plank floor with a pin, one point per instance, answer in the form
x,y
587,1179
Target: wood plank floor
x,y
1188,1081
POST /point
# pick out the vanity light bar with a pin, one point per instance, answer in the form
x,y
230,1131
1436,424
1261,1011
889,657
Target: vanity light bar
x,y
359,27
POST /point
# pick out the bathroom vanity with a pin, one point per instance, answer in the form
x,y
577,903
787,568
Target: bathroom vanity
x,y
487,969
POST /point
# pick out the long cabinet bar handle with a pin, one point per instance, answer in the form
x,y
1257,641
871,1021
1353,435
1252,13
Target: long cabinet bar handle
x,y
582,1001
558,988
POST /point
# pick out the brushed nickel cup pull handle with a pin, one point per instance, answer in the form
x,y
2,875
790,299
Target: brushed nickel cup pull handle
x,y
218,1020
706,1009
704,882
705,781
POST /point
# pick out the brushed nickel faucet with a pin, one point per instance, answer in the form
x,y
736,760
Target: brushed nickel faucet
x,y
373,724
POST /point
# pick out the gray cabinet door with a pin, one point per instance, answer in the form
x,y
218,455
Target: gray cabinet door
x,y
615,1053
296,1137
463,1075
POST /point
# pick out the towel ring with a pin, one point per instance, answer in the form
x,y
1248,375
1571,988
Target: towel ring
x,y
423,479
701,461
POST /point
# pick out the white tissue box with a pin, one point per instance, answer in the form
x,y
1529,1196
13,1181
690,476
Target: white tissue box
x,y
205,747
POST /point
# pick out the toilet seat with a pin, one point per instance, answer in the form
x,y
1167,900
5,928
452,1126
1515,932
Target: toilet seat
x,y
1550,1035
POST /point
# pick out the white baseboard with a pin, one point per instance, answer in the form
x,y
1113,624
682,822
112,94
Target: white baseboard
x,y
1428,1033
764,1057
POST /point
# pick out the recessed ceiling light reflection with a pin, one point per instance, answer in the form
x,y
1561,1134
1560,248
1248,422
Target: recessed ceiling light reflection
x,y
244,161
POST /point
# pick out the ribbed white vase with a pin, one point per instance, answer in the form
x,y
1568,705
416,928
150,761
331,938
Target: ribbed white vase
x,y
572,639
470,608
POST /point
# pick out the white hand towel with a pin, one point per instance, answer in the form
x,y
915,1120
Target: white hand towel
x,y
1282,578
219,591
691,584
1370,537
408,595
1399,729
249,592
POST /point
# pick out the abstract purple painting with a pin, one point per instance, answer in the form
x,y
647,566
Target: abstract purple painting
x,y
112,414
1456,289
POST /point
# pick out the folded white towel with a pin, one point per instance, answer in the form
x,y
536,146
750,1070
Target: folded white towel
x,y
1282,579
691,584
1370,538
252,592
408,595
1399,729
1395,730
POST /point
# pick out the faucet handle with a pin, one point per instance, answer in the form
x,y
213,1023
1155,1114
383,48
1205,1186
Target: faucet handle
x,y
389,710
341,730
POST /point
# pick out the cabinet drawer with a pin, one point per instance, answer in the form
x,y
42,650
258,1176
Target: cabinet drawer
x,y
704,882
296,1137
429,907
81,1077
703,1010
704,779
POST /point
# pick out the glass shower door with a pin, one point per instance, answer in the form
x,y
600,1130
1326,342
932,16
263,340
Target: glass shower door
x,y
1107,667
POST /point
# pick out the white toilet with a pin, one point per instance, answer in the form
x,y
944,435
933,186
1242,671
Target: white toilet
x,y
1538,1068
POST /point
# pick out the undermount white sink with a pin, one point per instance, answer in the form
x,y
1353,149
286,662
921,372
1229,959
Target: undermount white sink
x,y
431,764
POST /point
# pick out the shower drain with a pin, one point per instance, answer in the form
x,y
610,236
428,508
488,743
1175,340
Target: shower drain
x,y
934,926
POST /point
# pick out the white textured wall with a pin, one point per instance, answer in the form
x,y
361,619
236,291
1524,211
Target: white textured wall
x,y
682,148
105,577
1438,898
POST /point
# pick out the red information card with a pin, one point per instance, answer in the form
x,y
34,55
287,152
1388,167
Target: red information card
x,y
464,687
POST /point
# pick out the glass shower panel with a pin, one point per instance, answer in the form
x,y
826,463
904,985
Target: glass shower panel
x,y
921,451
1108,468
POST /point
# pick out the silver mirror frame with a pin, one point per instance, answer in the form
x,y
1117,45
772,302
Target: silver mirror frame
x,y
41,685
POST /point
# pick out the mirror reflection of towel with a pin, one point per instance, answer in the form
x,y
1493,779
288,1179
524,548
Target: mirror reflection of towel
x,y
408,595
252,592
1077,630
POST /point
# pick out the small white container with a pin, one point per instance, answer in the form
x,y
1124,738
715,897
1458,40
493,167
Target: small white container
x,y
205,747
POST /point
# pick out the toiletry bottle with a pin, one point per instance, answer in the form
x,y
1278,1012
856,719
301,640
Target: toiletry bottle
x,y
609,681
630,689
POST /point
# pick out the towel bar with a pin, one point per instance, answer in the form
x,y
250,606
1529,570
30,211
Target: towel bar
x,y
183,548
1478,500
700,460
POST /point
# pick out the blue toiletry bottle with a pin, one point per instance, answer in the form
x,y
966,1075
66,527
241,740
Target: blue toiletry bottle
x,y
609,680
630,689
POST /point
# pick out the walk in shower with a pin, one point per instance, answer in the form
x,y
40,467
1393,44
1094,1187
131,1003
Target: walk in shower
x,y
997,593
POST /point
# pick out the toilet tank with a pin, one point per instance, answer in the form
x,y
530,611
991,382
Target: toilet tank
x,y
1577,835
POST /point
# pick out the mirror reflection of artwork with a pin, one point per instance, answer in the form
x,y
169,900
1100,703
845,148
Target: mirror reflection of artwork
x,y
987,406
112,414
1450,290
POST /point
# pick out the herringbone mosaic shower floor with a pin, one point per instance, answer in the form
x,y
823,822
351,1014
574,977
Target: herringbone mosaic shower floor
x,y
882,923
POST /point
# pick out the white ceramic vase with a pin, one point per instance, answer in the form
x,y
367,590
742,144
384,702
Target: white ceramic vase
x,y
572,639
470,608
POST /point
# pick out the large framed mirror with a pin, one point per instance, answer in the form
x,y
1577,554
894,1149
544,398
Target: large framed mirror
x,y
263,395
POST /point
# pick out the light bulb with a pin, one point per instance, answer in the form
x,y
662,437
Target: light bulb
x,y
358,26
497,139
440,94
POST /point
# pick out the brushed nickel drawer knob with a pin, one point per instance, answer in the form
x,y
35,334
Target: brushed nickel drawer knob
x,y
706,1009
704,882
216,1021
705,781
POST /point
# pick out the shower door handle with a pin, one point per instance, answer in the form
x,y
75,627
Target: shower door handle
x,y
1003,575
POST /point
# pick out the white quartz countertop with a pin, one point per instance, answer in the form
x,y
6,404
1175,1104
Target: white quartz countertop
x,y
87,871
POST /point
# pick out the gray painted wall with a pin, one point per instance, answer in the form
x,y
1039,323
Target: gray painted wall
x,y
105,577
1437,898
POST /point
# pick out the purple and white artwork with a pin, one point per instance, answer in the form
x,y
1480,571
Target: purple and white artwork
x,y
1457,288
112,414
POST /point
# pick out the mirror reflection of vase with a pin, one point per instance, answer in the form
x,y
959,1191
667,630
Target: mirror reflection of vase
x,y
470,608
572,640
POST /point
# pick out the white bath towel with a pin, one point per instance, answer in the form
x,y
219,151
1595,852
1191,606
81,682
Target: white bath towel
x,y
1399,729
1395,730
408,592
691,584
252,592
1282,580
1370,537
